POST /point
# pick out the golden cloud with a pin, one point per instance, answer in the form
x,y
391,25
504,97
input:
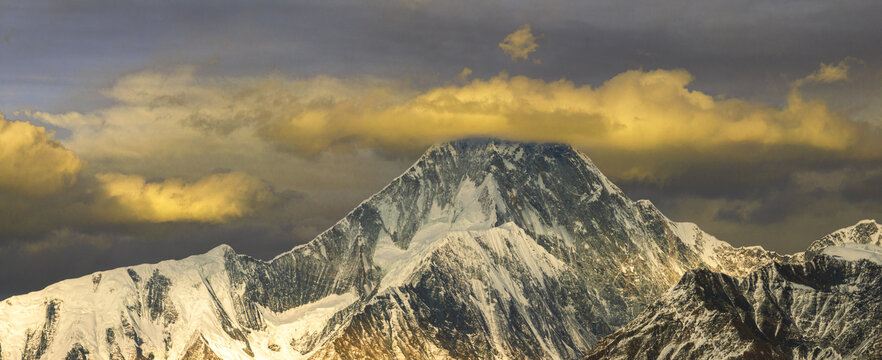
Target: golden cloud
x,y
520,43
639,125
31,162
214,198
633,111
175,115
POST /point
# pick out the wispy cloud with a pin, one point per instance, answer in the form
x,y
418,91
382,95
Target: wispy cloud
x,y
520,44
828,73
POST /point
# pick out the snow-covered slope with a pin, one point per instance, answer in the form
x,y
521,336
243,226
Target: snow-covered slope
x,y
482,249
864,232
828,307
855,252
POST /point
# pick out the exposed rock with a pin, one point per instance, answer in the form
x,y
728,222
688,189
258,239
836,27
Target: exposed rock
x,y
134,275
96,280
112,345
77,352
826,308
199,350
38,341
158,303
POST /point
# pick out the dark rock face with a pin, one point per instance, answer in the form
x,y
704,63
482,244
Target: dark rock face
x,y
96,280
113,345
199,350
134,275
77,352
158,303
824,308
38,341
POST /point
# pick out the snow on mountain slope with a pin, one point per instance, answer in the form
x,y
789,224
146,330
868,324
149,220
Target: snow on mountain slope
x,y
827,307
482,249
123,311
855,252
864,232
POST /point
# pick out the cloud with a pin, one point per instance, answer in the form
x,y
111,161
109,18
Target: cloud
x,y
45,186
463,75
177,115
214,198
520,43
31,162
827,73
634,111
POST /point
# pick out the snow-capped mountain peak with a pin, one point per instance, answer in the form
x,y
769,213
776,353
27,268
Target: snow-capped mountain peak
x,y
482,248
864,232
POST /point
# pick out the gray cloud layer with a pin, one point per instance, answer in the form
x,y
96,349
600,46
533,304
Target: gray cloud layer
x,y
60,56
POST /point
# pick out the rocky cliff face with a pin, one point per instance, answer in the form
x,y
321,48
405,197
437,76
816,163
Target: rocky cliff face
x,y
482,249
825,308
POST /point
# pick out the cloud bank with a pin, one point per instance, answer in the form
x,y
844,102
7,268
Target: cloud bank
x,y
634,110
178,114
43,186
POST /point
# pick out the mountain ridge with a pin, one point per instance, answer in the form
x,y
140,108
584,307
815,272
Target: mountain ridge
x,y
825,306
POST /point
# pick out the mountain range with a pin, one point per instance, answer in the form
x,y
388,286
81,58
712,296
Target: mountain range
x,y
825,307
483,249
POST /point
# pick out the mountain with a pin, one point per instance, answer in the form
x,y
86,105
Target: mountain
x,y
482,249
827,307
866,232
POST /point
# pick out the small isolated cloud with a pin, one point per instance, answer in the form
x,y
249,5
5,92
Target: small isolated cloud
x,y
8,35
214,198
827,73
463,75
31,162
520,44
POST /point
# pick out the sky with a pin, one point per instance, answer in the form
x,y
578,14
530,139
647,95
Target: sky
x,y
138,131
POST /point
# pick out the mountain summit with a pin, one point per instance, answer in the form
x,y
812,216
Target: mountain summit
x,y
482,249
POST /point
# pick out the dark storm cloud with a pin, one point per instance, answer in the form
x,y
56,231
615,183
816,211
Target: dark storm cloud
x,y
735,47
